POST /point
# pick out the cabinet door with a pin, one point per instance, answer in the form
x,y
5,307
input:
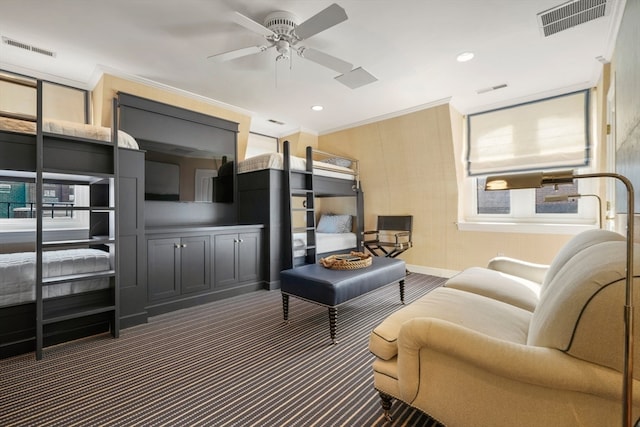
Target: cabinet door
x,y
249,257
163,268
195,263
225,270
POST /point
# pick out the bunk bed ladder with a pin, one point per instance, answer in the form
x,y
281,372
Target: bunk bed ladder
x,y
103,193
300,203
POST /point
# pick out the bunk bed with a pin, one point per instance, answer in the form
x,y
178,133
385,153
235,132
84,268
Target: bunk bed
x,y
58,284
262,198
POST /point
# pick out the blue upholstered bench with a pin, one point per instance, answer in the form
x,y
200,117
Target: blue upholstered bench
x,y
330,288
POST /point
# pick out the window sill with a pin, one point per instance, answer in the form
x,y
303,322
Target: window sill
x,y
524,227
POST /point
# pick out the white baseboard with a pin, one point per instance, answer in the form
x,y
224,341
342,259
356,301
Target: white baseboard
x,y
432,271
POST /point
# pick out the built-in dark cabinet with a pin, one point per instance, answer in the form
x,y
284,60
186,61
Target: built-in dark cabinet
x,y
163,268
236,258
178,265
192,265
132,252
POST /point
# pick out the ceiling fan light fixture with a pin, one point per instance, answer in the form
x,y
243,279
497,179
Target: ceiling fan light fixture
x,y
317,107
465,57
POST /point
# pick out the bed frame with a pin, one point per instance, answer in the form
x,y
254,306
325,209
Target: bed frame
x,y
263,197
80,160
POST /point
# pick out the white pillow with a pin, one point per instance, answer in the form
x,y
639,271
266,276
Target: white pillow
x,y
330,223
338,161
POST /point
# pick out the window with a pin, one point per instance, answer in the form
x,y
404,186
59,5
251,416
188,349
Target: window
x,y
260,144
545,134
17,195
17,201
553,133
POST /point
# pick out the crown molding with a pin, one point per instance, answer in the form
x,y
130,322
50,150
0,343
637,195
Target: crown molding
x,y
395,114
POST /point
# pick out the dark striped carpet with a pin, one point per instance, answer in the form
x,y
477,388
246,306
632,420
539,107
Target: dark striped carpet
x,y
226,363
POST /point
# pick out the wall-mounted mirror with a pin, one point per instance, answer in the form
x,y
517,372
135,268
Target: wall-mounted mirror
x,y
179,173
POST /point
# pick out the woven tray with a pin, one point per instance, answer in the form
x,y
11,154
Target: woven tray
x,y
337,262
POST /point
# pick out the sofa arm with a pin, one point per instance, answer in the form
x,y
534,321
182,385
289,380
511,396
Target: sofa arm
x,y
528,365
516,267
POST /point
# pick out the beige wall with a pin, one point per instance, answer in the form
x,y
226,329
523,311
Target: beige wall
x,y
109,86
408,166
298,143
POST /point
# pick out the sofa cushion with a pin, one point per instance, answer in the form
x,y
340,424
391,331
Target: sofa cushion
x,y
476,312
503,287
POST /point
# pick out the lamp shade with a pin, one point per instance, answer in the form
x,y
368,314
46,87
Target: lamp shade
x,y
528,180
514,181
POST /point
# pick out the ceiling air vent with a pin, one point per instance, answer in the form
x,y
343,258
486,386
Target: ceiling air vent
x,y
571,14
28,47
491,88
276,122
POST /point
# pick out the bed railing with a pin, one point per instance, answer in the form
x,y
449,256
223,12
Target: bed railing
x,y
320,157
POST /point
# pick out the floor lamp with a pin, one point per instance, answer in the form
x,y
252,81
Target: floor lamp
x,y
541,179
566,197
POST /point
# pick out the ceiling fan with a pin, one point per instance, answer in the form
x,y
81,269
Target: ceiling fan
x,y
283,31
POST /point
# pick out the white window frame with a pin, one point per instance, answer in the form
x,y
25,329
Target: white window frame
x,y
523,218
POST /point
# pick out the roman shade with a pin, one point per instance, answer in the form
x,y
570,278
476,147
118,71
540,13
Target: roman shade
x,y
546,134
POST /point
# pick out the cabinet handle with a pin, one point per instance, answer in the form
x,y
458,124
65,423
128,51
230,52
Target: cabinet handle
x,y
176,245
240,240
184,245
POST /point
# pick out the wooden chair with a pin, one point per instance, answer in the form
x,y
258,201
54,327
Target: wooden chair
x,y
392,236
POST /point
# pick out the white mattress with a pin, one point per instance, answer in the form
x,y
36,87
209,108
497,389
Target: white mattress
x,y
79,130
325,242
275,161
18,270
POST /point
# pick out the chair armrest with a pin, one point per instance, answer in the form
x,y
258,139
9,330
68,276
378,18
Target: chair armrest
x,y
515,267
529,365
369,232
400,234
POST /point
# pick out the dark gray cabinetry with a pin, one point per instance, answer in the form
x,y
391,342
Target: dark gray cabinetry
x,y
236,258
132,253
178,265
187,266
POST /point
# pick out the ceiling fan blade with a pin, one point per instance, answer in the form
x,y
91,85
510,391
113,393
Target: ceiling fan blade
x,y
325,60
238,53
250,24
324,19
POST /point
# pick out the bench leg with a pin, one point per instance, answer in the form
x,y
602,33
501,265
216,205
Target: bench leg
x,y
285,307
402,291
333,321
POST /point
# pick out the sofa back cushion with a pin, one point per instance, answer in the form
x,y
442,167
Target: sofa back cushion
x,y
574,246
582,310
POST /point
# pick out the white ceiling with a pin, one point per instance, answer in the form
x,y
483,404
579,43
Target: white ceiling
x,y
409,45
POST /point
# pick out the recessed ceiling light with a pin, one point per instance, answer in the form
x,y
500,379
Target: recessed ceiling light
x,y
317,108
465,56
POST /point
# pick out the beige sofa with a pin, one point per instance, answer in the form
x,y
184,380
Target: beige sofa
x,y
532,346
